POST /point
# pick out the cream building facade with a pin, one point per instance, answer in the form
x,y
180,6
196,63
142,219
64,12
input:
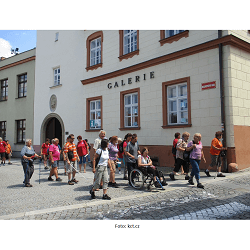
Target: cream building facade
x,y
152,83
17,79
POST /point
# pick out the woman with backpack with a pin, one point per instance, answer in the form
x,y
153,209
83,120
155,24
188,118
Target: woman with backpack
x,y
181,147
100,169
195,157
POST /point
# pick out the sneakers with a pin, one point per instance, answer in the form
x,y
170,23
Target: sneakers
x,y
70,183
106,197
115,185
28,185
58,179
50,179
120,172
74,180
207,173
199,185
220,175
172,177
92,193
186,177
46,167
110,184
190,181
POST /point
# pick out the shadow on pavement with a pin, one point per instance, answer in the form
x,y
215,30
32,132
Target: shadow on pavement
x,y
16,186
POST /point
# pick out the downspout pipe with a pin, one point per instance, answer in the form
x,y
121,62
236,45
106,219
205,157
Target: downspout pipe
x,y
222,99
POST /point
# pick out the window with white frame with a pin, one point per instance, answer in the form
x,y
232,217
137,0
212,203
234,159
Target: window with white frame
x,y
95,51
130,41
57,77
177,104
95,114
169,33
131,110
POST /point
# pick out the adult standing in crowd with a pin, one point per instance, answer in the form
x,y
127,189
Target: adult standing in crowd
x,y
2,151
181,147
127,139
97,145
54,155
195,158
88,156
101,171
71,157
27,157
215,150
8,152
120,156
44,152
177,136
113,153
131,152
64,158
82,150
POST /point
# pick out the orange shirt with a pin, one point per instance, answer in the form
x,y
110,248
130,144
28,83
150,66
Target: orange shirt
x,y
8,149
70,147
216,143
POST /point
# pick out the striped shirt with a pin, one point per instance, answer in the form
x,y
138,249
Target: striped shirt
x,y
70,147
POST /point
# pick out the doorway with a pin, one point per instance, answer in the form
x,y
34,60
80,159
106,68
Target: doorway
x,y
54,130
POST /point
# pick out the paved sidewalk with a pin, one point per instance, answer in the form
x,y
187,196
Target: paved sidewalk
x,y
58,200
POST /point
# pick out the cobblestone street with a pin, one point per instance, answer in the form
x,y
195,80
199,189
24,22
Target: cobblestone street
x,y
222,199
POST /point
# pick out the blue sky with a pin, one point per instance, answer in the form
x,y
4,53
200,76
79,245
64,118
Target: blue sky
x,y
22,39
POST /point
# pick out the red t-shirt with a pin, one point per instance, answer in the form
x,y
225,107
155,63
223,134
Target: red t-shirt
x,y
120,155
82,148
175,142
2,146
45,148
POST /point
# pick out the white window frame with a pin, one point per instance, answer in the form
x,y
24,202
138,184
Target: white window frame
x,y
175,32
95,110
57,76
180,100
95,52
132,106
131,37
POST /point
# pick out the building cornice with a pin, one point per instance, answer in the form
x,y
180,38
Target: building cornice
x,y
18,63
226,40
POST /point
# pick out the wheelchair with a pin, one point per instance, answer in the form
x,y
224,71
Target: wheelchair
x,y
139,177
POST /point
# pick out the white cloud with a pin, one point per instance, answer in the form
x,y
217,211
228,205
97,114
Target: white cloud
x,y
5,48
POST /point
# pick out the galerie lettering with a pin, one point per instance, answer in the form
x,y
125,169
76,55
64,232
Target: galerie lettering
x,y
137,79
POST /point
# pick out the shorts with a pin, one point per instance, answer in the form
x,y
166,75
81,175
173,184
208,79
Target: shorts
x,y
214,159
71,166
82,159
2,155
55,165
7,156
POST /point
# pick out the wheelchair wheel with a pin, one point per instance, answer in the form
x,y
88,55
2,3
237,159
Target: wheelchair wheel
x,y
136,179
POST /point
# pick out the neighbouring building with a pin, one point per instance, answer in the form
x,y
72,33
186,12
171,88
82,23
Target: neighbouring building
x,y
17,80
153,83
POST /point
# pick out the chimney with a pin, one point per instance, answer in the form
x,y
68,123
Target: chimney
x,y
2,58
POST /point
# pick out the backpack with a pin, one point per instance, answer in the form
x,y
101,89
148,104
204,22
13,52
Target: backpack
x,y
121,146
98,159
174,149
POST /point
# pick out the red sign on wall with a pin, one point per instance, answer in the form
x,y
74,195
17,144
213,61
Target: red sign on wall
x,y
208,85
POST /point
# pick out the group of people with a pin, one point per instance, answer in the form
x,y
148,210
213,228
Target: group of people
x,y
186,153
115,152
5,151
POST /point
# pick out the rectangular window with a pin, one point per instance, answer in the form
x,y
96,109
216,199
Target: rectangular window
x,y
95,51
169,33
21,128
94,113
176,103
57,78
131,110
22,85
4,90
3,130
130,41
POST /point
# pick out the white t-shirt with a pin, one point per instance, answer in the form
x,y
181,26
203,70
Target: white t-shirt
x,y
104,157
143,160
